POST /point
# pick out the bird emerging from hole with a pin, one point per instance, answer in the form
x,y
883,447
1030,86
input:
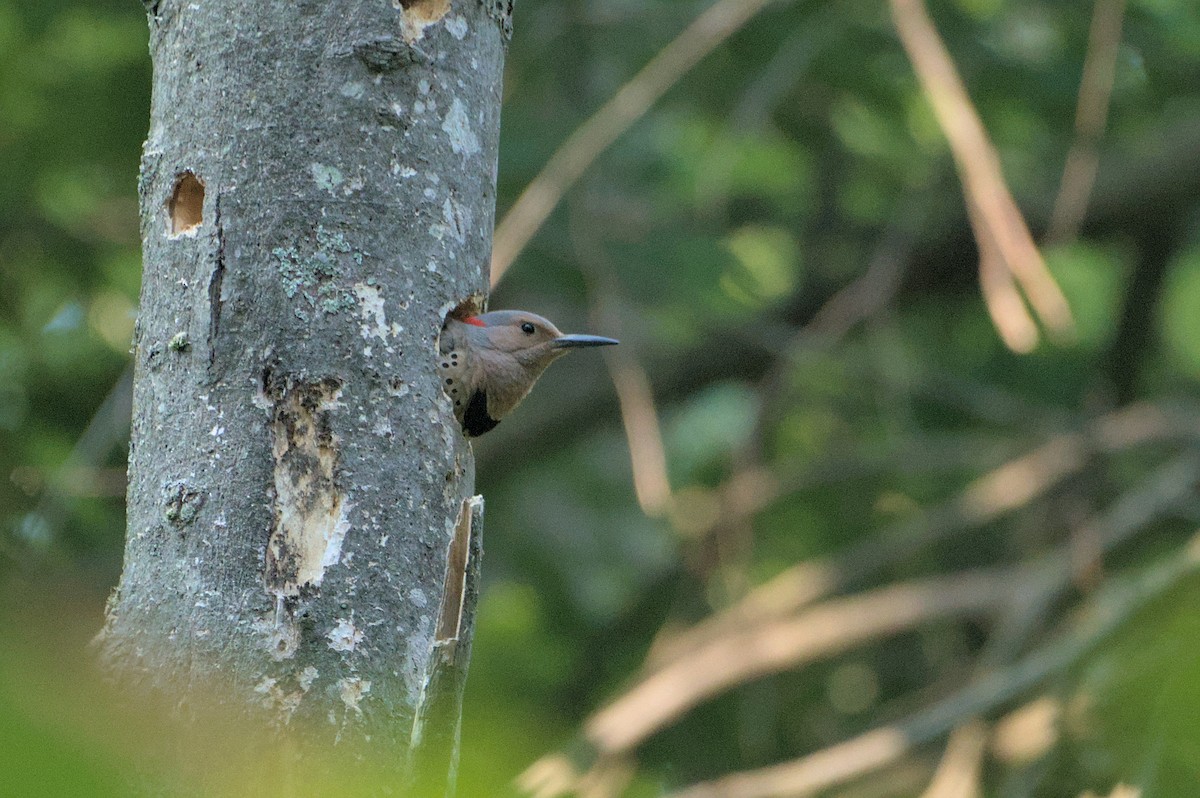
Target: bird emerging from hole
x,y
490,362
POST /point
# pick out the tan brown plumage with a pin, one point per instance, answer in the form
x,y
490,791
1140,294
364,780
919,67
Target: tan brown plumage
x,y
490,362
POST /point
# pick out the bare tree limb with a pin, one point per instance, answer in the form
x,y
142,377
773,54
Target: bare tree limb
x,y
647,456
1091,114
986,499
957,775
635,394
1163,490
750,651
786,643
1000,229
885,745
1047,579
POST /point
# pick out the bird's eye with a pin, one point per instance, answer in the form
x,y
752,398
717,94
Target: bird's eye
x,y
527,328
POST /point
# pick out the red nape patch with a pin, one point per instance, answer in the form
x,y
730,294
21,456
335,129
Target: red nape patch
x,y
478,322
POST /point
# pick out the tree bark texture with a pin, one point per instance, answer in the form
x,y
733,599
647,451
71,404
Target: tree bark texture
x,y
317,191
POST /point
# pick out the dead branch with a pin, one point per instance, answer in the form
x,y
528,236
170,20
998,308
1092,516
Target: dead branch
x,y
957,775
787,643
1003,238
753,651
988,498
884,745
822,631
647,456
1091,114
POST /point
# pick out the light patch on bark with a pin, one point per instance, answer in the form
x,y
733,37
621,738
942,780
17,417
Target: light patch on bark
x,y
374,318
326,177
437,721
315,273
457,125
457,27
383,427
370,304
455,226
345,636
307,677
276,698
417,15
311,512
352,690
419,642
281,636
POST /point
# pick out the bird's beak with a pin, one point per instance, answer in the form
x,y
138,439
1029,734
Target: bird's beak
x,y
572,341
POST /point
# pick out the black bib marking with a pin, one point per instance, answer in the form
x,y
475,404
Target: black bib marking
x,y
476,420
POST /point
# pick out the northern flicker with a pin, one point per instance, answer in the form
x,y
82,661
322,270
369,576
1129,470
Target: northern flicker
x,y
490,362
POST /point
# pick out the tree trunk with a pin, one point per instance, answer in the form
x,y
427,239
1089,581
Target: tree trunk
x,y
317,191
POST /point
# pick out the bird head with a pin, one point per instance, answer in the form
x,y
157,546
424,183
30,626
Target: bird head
x,y
528,338
492,360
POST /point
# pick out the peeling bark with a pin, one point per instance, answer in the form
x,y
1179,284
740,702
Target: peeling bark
x,y
437,725
317,190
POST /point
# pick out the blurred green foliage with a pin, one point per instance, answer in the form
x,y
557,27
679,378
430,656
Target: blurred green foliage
x,y
74,83
771,177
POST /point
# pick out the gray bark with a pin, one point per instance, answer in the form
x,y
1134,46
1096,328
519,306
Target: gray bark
x,y
317,190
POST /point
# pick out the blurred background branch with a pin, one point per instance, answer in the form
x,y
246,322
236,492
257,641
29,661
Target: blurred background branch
x,y
1100,618
1007,254
1091,114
